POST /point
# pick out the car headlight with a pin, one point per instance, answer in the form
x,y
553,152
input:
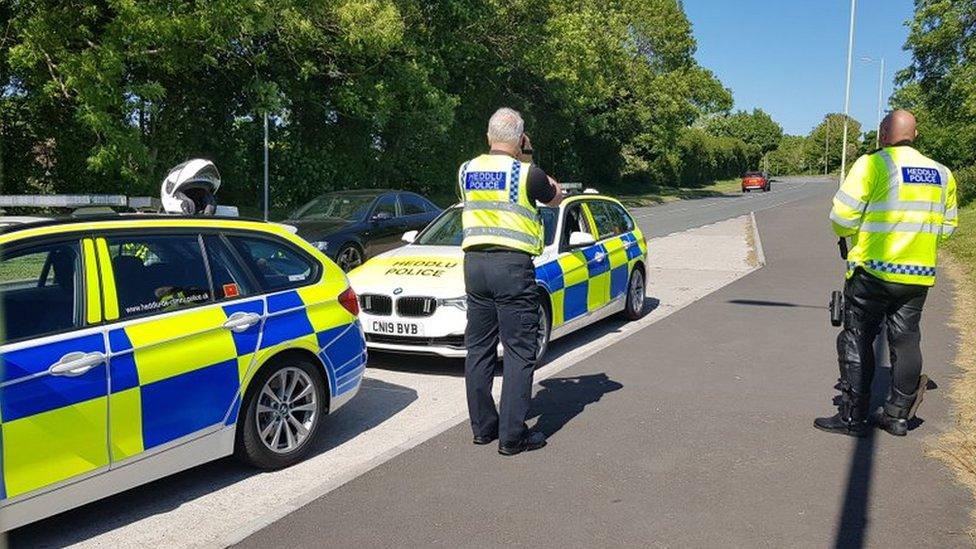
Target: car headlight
x,y
321,245
456,302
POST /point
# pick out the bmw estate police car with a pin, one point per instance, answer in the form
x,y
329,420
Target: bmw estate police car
x,y
137,346
593,265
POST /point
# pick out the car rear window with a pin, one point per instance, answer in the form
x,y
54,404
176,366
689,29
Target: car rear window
x,y
276,265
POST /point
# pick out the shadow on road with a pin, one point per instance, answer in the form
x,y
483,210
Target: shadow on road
x,y
764,303
853,522
377,402
563,398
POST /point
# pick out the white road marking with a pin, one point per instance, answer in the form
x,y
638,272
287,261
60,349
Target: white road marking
x,y
401,405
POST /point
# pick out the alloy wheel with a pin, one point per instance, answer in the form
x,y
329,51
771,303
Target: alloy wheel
x,y
287,410
349,258
637,292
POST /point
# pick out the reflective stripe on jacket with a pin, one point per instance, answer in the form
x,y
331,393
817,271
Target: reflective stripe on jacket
x,y
497,208
897,206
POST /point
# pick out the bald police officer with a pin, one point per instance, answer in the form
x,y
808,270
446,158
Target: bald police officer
x,y
502,233
897,205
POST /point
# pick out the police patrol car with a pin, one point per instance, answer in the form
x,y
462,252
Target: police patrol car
x,y
594,265
135,346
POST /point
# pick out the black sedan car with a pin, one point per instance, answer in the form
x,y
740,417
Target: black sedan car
x,y
352,226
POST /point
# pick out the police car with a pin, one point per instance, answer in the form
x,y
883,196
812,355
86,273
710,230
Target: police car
x,y
593,266
135,346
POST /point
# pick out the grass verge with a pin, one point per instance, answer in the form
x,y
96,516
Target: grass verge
x,y
957,447
657,195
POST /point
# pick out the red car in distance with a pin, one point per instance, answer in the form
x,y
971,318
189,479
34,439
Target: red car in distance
x,y
758,181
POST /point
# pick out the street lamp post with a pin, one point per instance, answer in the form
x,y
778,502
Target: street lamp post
x,y
847,92
827,145
266,165
881,76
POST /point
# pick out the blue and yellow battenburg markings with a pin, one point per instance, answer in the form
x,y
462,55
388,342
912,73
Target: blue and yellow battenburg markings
x,y
166,378
586,280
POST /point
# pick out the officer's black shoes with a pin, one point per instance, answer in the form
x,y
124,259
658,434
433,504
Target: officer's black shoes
x,y
899,408
481,441
842,426
893,425
850,420
532,441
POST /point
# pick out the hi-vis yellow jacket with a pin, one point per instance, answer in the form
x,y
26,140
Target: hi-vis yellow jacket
x,y
497,208
897,205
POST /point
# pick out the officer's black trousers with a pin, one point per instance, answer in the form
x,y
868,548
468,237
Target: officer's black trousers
x,y
867,302
503,302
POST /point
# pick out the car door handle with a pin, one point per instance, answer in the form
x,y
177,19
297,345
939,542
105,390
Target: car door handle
x,y
76,364
241,321
600,256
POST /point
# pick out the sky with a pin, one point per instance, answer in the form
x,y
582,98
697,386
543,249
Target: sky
x,y
789,57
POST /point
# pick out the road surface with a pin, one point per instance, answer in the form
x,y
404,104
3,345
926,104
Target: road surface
x,y
692,432
695,432
681,215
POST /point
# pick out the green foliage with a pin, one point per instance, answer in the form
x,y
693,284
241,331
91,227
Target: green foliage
x,y
966,182
790,157
828,137
940,84
706,157
756,128
105,96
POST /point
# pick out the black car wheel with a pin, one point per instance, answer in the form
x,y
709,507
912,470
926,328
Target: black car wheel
x,y
634,307
282,414
545,330
349,257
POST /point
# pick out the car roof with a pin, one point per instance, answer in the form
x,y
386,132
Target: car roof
x,y
567,200
132,221
365,192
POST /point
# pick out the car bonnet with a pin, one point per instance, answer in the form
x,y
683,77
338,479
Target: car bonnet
x,y
413,270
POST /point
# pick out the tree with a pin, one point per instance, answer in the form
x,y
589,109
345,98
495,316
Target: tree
x,y
940,84
790,157
756,128
105,96
830,134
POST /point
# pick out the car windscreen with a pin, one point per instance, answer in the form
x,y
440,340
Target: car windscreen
x,y
753,174
446,230
350,207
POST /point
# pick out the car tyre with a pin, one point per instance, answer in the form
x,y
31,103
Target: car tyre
x,y
349,257
287,400
636,290
545,329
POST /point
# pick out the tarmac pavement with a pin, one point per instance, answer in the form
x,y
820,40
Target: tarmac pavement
x,y
404,402
696,432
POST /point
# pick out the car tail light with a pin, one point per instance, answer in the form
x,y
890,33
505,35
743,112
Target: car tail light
x,y
349,301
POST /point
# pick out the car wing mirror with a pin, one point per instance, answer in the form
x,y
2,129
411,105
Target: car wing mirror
x,y
409,237
580,238
382,216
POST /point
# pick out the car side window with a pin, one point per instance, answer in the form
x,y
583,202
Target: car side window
x,y
275,264
158,273
623,223
575,221
412,204
230,280
40,290
609,220
385,207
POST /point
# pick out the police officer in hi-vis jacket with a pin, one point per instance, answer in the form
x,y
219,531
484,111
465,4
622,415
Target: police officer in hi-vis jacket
x,y
502,233
897,206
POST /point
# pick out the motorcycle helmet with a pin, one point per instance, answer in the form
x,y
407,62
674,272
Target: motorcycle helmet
x,y
189,188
